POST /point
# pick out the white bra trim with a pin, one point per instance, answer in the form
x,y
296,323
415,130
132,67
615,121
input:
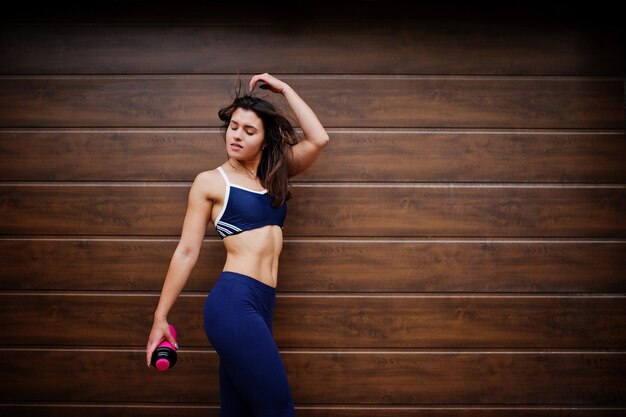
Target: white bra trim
x,y
241,187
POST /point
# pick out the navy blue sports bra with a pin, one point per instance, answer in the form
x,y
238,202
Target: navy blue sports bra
x,y
246,209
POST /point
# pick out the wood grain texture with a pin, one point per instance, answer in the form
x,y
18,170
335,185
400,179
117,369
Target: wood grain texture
x,y
104,210
334,321
457,210
416,45
383,378
355,101
352,155
329,210
360,266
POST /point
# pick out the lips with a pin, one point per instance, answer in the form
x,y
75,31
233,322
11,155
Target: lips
x,y
235,146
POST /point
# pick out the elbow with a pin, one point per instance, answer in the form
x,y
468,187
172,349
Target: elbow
x,y
188,253
323,140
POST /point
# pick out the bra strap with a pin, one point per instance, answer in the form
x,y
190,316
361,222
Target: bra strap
x,y
224,175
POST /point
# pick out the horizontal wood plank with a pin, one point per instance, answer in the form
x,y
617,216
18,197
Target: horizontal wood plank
x,y
455,210
101,210
337,321
194,410
368,101
416,45
326,265
409,378
456,321
329,210
352,155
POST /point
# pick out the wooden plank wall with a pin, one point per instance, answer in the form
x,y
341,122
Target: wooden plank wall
x,y
458,249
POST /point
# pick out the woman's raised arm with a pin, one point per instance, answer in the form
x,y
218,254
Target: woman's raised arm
x,y
315,137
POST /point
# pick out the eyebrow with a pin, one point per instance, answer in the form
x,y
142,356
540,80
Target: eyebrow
x,y
244,126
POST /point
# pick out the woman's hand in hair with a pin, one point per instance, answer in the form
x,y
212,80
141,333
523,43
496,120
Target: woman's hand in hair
x,y
268,82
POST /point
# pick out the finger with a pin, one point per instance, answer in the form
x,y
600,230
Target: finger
x,y
264,79
168,336
149,350
253,82
172,341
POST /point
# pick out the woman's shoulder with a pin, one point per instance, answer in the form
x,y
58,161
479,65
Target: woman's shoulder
x,y
208,175
210,182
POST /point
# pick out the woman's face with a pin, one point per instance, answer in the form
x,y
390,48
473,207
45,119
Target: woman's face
x,y
245,135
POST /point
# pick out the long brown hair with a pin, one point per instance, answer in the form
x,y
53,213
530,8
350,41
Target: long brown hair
x,y
280,136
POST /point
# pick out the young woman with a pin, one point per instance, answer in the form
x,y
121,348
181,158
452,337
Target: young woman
x,y
245,198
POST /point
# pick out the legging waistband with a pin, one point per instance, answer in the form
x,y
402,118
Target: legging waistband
x,y
247,280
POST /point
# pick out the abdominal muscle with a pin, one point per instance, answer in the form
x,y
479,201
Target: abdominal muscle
x,y
255,253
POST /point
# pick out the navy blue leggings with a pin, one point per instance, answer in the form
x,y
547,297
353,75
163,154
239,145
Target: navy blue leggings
x,y
238,323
